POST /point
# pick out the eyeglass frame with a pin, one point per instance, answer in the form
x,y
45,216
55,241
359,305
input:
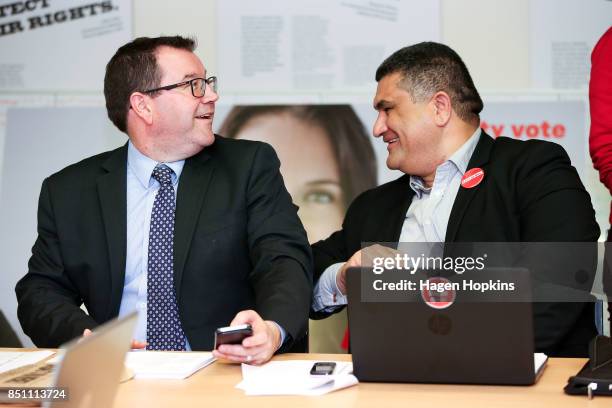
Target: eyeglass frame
x,y
207,81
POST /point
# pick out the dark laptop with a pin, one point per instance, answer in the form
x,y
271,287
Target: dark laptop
x,y
475,341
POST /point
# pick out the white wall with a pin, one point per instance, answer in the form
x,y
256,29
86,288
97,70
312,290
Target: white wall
x,y
186,17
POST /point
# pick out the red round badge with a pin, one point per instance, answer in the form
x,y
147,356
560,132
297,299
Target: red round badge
x,y
472,177
438,292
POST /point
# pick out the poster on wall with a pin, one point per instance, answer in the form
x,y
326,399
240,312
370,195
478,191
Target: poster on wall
x,y
316,45
326,152
60,45
562,36
562,122
301,133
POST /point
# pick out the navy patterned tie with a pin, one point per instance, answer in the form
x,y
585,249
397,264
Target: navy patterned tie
x,y
164,331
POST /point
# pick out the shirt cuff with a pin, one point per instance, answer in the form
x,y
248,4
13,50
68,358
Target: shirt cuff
x,y
326,295
283,335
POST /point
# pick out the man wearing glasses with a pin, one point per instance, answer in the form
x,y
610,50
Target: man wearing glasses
x,y
194,230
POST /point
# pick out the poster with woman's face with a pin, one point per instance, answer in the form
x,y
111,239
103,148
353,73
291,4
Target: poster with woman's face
x,y
325,152
328,153
309,168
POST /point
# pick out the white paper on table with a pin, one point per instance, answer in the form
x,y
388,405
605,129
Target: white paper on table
x,y
167,365
10,360
539,359
292,377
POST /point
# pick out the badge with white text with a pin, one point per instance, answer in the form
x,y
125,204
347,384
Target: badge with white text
x,y
438,292
472,177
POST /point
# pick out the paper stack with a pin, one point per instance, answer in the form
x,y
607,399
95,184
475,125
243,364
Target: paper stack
x,y
10,360
293,377
539,359
166,364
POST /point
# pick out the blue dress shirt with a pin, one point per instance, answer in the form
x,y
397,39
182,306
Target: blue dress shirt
x,y
141,192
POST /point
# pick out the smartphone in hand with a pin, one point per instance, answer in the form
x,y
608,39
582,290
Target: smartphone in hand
x,y
232,334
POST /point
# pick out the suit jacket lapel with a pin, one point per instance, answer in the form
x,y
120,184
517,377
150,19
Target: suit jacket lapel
x,y
194,181
397,213
386,224
465,195
112,193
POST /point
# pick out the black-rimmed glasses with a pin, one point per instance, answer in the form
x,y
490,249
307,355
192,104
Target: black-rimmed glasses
x,y
198,86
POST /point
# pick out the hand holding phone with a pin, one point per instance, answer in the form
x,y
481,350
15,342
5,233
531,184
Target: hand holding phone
x,y
232,334
255,346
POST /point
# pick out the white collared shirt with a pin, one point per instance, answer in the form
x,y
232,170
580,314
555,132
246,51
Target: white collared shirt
x,y
426,219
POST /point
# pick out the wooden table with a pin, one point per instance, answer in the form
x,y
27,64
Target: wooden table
x,y
214,386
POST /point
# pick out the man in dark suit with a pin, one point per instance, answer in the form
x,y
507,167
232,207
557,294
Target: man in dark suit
x,y
428,114
194,230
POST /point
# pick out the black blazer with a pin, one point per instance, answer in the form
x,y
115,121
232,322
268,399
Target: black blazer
x,y
238,245
530,193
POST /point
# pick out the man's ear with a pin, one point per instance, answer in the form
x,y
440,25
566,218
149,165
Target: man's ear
x,y
140,104
442,108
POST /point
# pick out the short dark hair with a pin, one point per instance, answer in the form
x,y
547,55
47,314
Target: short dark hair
x,y
430,67
348,137
134,68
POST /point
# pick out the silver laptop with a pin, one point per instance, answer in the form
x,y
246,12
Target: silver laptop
x,y
87,374
91,367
